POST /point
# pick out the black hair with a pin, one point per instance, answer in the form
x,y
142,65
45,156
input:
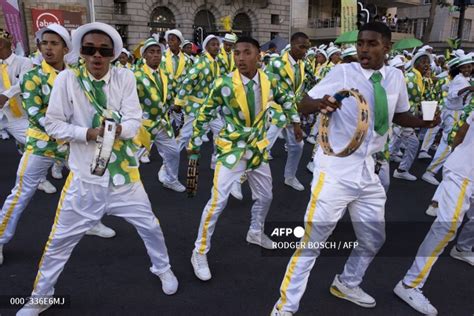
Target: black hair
x,y
298,35
454,71
52,32
250,40
98,32
378,27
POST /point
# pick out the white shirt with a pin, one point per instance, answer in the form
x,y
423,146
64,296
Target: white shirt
x,y
461,160
70,114
455,101
17,66
343,121
257,91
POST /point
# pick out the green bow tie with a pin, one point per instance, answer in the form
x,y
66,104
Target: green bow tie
x,y
381,104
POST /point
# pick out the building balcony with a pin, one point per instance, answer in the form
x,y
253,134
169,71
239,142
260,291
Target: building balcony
x,y
396,3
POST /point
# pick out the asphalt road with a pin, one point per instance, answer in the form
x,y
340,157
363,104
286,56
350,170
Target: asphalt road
x,y
111,277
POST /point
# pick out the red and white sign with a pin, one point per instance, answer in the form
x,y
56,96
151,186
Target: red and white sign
x,y
68,19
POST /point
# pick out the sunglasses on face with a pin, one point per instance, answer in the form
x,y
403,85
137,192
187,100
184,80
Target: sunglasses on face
x,y
91,50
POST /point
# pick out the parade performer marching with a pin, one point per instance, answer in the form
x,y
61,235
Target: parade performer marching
x,y
80,100
341,183
246,98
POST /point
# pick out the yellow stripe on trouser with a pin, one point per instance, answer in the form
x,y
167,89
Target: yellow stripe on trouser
x,y
53,230
9,212
427,138
446,239
211,210
307,234
440,159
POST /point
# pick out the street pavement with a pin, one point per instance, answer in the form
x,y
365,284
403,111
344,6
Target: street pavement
x,y
112,277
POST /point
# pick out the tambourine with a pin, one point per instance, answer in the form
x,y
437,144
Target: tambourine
x,y
103,150
361,129
192,176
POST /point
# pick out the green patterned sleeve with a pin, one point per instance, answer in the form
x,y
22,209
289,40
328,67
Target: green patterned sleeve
x,y
286,100
189,82
33,98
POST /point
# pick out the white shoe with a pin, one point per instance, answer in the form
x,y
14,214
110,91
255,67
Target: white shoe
x,y
205,138
4,134
405,175
415,298
162,174
1,255
169,282
467,256
260,239
294,183
430,178
432,211
145,158
200,266
395,159
47,187
355,295
311,139
236,190
31,309
276,312
175,186
101,230
424,155
57,171
310,166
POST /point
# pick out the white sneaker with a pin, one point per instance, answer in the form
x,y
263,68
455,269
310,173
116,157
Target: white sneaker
x,y
294,183
405,175
236,190
101,230
355,295
169,282
145,158
415,298
1,255
424,155
47,187
200,266
430,178
395,159
175,186
57,171
276,312
31,309
311,139
432,211
260,239
467,256
162,174
310,166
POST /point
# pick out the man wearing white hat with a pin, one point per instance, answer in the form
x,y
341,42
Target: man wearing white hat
x,y
122,61
349,55
79,102
41,151
226,56
156,93
175,62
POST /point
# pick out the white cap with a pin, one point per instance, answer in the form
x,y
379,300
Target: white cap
x,y
397,62
349,51
107,29
175,32
207,39
230,37
58,29
332,50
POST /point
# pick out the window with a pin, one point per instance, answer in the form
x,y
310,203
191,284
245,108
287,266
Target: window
x,y
120,7
427,2
419,27
122,29
273,35
466,29
275,19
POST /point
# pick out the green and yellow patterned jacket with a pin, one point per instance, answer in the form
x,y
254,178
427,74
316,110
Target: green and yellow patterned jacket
x,y
416,90
183,65
226,62
241,137
36,87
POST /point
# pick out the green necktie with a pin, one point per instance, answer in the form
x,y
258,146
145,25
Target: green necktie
x,y
381,104
297,75
99,93
251,99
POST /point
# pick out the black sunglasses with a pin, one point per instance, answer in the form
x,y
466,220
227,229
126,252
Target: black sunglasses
x,y
91,50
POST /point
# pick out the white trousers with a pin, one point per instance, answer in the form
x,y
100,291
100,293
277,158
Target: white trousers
x,y
185,133
17,128
31,171
454,201
215,125
168,149
295,149
329,199
384,175
429,138
408,137
80,208
260,181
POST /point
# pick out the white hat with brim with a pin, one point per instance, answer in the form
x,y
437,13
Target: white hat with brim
x,y
420,54
208,39
332,50
176,33
464,60
126,52
452,62
186,42
151,42
396,62
58,29
230,38
107,29
322,52
349,51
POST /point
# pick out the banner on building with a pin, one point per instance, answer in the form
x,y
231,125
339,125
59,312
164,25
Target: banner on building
x,y
348,15
11,13
42,18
